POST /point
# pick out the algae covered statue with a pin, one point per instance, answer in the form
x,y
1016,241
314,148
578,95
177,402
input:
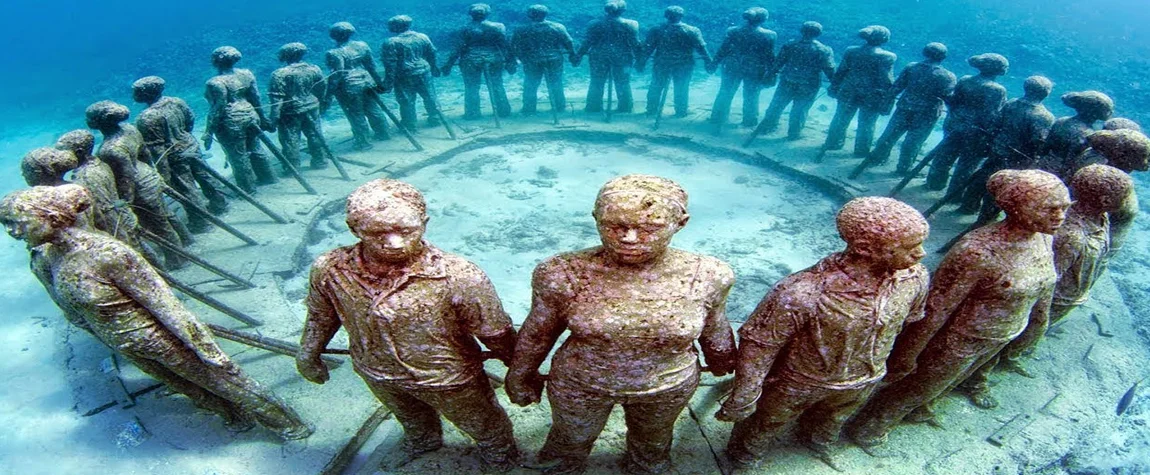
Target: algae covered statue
x,y
612,43
296,90
118,297
993,287
236,119
413,314
924,86
483,53
634,307
861,84
672,47
821,337
167,129
1068,135
542,46
409,65
798,66
747,56
356,85
972,112
1127,150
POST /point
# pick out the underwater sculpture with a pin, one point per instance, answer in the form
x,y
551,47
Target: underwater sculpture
x,y
542,46
1017,140
815,348
635,308
1067,139
993,288
409,64
108,289
972,112
47,166
137,183
412,313
166,125
612,44
747,56
483,53
295,92
1127,150
924,86
861,84
672,48
353,81
798,67
236,119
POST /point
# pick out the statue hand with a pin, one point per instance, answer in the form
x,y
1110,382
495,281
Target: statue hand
x,y
446,70
727,415
721,369
207,138
524,390
511,67
640,66
312,369
712,67
435,72
267,125
575,59
770,80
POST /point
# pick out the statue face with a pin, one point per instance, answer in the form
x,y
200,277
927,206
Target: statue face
x,y
902,254
30,229
394,234
1046,214
636,228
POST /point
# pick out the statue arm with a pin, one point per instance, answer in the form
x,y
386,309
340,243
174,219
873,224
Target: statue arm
x,y
770,327
214,94
321,326
334,77
123,168
252,94
545,323
319,86
476,302
369,65
1038,323
277,95
567,42
389,59
701,46
717,339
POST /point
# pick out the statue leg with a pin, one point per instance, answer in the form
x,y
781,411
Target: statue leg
x,y
895,128
577,419
822,424
970,156
351,101
781,402
553,72
660,80
650,429
864,136
752,89
261,160
782,97
425,87
622,77
721,110
946,152
681,75
475,411
472,79
422,429
494,73
919,126
289,132
312,128
233,417
599,71
238,155
837,135
532,77
375,116
804,98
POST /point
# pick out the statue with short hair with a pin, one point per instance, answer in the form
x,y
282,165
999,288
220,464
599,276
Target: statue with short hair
x,y
972,112
922,88
816,346
798,66
483,53
236,119
409,65
861,84
356,85
423,360
1127,150
542,46
635,308
612,44
1068,135
747,56
296,90
672,48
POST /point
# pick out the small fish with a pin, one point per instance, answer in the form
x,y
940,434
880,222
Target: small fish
x,y
1128,398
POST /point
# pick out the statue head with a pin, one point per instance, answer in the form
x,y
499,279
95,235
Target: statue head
x,y
1091,106
674,13
106,115
989,64
46,166
1101,187
811,30
479,11
637,215
934,52
1125,149
884,231
389,217
615,8
80,142
875,35
36,215
1118,123
399,23
292,52
341,31
537,12
1037,88
225,57
756,15
148,89
1032,199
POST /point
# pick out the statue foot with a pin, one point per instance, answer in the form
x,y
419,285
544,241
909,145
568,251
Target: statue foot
x,y
1015,366
823,453
982,400
298,432
924,415
405,453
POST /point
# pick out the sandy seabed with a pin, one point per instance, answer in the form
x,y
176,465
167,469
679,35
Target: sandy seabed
x,y
506,204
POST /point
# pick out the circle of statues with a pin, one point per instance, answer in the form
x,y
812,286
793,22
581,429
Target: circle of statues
x,y
855,344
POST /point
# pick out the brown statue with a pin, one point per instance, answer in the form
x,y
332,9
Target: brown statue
x,y
821,337
356,85
1128,150
296,90
112,292
635,308
137,182
412,314
46,166
237,119
994,286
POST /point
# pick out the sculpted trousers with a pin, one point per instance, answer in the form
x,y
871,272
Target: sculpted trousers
x,y
309,123
822,412
916,124
408,89
802,96
364,115
967,147
533,75
603,70
661,78
948,360
578,417
844,113
752,86
185,174
250,163
475,73
471,407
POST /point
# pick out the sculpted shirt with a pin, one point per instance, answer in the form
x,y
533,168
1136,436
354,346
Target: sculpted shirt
x,y
351,66
801,61
416,330
296,89
1079,247
748,51
976,104
1021,131
230,97
167,129
675,44
483,42
613,41
836,333
925,86
540,42
865,73
407,54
